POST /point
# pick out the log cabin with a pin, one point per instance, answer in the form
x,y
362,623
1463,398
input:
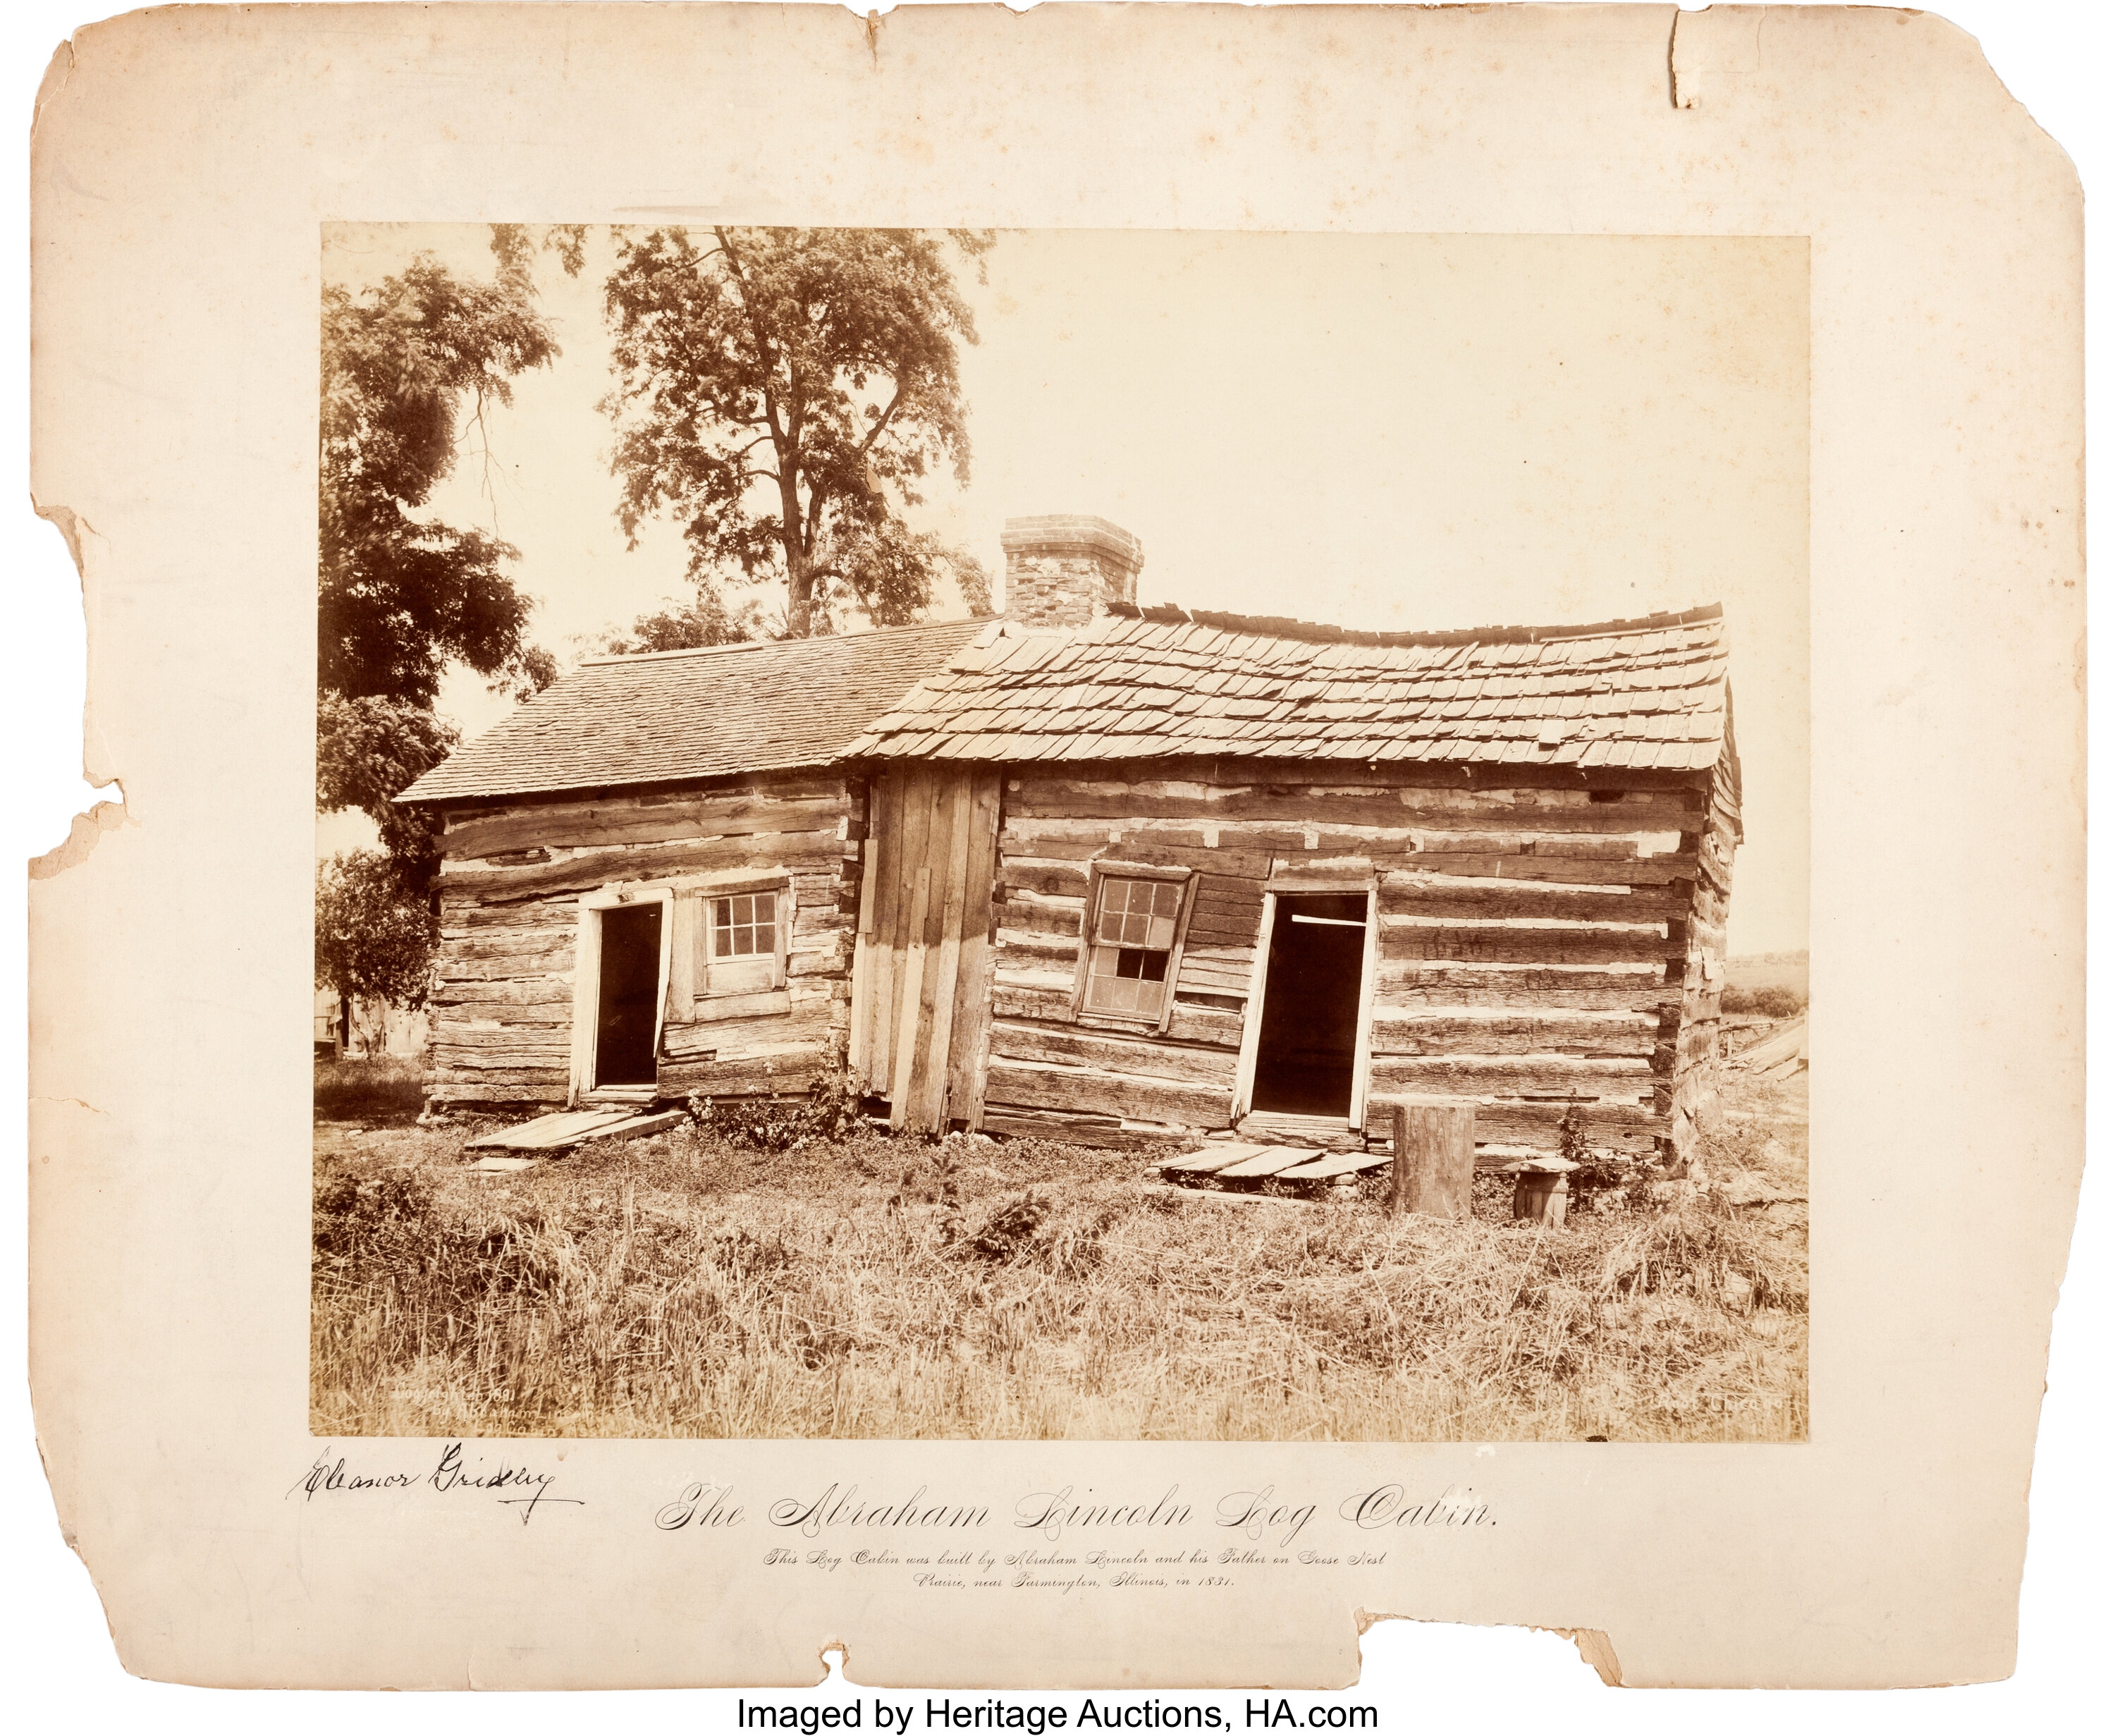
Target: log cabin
x,y
649,873
1099,872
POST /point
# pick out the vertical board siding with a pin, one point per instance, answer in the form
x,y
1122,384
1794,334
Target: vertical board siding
x,y
922,990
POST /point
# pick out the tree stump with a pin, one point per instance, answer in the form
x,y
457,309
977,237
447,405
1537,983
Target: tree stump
x,y
1541,1195
1435,1155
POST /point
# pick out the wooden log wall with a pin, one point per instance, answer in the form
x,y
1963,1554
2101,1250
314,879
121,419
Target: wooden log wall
x,y
1698,1034
1533,944
510,887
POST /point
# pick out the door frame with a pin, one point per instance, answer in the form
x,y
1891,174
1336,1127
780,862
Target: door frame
x,y
587,987
1362,1047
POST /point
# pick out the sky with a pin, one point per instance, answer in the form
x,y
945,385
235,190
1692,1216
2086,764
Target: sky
x,y
1398,432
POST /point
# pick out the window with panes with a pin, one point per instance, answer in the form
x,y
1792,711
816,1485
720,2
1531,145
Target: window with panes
x,y
744,942
1129,941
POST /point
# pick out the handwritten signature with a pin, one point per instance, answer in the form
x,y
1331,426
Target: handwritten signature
x,y
519,1486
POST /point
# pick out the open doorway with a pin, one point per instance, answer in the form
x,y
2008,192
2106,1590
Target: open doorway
x,y
628,994
1307,1049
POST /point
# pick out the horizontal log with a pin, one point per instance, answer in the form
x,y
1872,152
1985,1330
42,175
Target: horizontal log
x,y
1244,865
1147,1057
1032,951
1406,894
1397,1031
836,962
547,1077
1024,1084
553,1050
1039,875
792,1070
1608,1127
766,853
1029,1001
1490,1078
817,913
732,1034
1518,996
1216,973
1028,915
462,917
522,966
1188,1023
1653,871
1324,805
1098,1133
1068,849
444,1091
1043,836
540,991
462,1016
569,825
1225,937
1036,976
454,1035
759,1003
494,944
1496,944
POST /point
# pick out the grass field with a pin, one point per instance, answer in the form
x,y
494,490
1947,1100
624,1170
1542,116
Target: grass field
x,y
384,1089
686,1285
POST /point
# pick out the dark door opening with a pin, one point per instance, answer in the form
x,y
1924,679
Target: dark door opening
x,y
1309,1038
627,995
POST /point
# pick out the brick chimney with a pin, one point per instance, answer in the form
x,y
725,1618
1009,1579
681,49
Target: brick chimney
x,y
1063,569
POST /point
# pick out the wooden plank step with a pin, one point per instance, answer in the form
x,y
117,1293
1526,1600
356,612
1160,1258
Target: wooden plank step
x,y
546,1131
502,1166
1337,1162
1272,1160
1221,1155
560,1132
638,1127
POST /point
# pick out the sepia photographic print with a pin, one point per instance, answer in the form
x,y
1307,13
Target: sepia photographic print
x,y
1056,778
1035,834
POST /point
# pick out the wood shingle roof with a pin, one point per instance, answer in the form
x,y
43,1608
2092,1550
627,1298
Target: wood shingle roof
x,y
1140,683
679,716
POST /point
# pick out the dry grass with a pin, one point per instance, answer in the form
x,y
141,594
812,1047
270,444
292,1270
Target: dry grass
x,y
386,1089
681,1286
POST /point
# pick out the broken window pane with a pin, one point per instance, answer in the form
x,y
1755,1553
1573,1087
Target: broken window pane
x,y
1133,932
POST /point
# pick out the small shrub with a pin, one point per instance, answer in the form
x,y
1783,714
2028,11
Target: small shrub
x,y
1010,1229
1604,1179
829,1112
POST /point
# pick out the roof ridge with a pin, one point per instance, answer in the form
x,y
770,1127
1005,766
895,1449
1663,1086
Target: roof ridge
x,y
759,644
1280,627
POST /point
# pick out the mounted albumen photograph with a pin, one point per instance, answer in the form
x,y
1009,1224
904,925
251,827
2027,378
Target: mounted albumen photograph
x,y
1061,834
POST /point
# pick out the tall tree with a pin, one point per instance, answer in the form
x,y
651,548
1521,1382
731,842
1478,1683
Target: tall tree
x,y
782,394
373,942
407,364
400,594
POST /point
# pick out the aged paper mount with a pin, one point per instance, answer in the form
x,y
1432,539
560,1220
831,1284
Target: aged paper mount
x,y
170,1263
